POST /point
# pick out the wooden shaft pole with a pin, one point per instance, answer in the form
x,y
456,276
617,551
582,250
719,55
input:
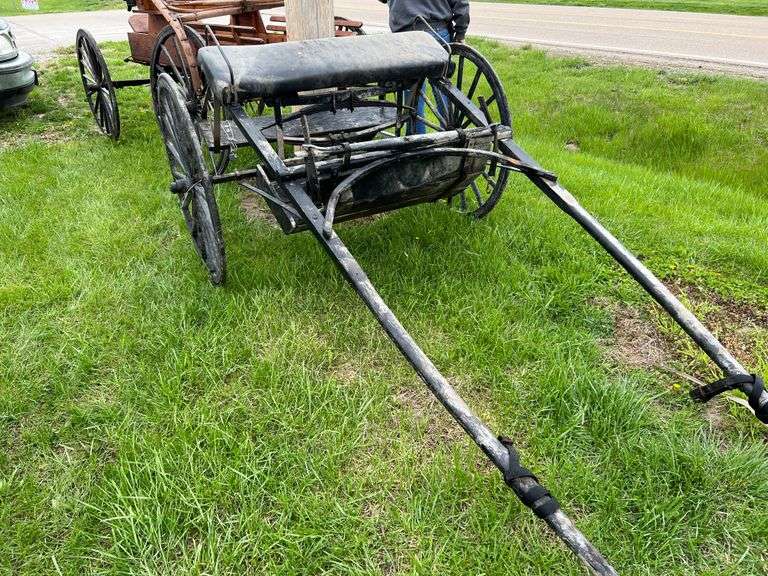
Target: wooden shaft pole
x,y
308,19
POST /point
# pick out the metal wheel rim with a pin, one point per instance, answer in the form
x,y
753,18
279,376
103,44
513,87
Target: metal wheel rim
x,y
198,105
474,76
97,85
197,201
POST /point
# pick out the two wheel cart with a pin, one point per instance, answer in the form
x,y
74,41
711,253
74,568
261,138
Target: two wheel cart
x,y
332,124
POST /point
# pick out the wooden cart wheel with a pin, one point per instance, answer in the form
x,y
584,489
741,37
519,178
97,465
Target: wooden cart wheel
x,y
191,181
471,73
168,58
97,84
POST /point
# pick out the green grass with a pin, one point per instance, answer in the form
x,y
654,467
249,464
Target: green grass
x,y
744,7
13,7
153,424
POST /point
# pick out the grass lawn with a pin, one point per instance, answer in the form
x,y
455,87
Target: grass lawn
x,y
13,7
748,7
153,424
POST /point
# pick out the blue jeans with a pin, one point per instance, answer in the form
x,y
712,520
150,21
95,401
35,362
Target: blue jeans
x,y
417,126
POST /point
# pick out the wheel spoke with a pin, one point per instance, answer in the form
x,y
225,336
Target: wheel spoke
x,y
91,98
108,119
187,78
87,65
484,108
89,77
88,59
104,114
180,52
98,71
182,59
97,110
171,141
168,123
458,115
475,81
177,172
429,123
433,107
177,159
184,201
173,65
478,196
491,181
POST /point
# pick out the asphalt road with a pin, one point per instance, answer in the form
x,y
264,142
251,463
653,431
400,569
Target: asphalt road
x,y
734,44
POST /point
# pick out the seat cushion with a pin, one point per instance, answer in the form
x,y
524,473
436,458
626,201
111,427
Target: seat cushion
x,y
279,70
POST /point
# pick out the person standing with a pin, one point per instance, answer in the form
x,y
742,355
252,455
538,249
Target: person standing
x,y
447,20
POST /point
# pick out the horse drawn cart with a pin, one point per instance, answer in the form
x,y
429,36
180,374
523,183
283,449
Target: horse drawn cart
x,y
166,35
339,142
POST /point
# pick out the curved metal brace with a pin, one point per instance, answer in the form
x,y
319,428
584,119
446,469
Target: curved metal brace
x,y
509,163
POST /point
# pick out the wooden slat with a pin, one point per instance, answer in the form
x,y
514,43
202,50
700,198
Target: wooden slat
x,y
348,23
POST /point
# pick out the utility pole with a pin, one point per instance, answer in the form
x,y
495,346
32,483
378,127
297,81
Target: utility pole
x,y
308,19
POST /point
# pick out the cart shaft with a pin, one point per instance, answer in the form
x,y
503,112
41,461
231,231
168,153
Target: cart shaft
x,y
498,453
649,282
699,333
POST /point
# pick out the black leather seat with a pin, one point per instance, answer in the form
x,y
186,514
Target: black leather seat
x,y
279,70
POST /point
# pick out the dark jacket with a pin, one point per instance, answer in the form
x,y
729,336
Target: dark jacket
x,y
452,14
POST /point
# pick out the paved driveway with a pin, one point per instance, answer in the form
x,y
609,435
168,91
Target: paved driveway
x,y
736,44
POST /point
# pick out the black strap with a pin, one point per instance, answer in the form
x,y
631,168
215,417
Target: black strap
x,y
347,155
494,162
463,138
537,498
706,393
758,386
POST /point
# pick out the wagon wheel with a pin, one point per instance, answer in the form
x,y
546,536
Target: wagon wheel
x,y
475,77
191,182
168,58
97,84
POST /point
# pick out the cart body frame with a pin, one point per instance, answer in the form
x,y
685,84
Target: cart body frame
x,y
355,160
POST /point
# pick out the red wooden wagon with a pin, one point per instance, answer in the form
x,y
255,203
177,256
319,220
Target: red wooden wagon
x,y
165,35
